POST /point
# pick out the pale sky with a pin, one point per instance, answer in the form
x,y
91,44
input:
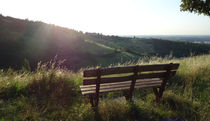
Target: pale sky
x,y
112,17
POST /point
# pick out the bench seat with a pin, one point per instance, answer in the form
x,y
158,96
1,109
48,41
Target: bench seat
x,y
117,86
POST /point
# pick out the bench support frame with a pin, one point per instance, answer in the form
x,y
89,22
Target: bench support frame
x,y
159,91
132,86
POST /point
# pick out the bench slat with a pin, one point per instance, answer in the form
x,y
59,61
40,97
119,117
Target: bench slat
x,y
107,71
120,86
159,67
117,85
155,75
105,84
107,80
106,87
127,78
147,86
119,89
103,91
121,83
130,69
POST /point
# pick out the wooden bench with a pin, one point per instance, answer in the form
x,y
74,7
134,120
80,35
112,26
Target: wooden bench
x,y
116,79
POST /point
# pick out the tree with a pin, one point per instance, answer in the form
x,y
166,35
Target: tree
x,y
196,6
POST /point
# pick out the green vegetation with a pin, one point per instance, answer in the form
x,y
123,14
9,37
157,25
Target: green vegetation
x,y
36,41
51,92
196,6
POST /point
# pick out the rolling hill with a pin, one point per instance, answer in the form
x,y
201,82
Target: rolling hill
x,y
37,41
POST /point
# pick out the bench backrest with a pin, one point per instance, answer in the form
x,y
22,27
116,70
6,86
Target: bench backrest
x,y
139,71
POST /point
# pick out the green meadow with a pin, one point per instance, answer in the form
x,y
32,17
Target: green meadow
x,y
51,92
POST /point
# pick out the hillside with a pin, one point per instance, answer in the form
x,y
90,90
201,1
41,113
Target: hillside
x,y
37,41
52,93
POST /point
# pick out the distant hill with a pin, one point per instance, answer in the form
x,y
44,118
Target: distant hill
x,y
203,39
37,41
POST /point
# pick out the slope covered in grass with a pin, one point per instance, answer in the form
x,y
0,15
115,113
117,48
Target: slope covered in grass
x,y
51,92
38,41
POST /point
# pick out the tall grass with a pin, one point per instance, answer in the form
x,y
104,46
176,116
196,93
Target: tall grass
x,y
51,92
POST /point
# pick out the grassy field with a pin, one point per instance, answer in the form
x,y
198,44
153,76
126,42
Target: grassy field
x,y
51,92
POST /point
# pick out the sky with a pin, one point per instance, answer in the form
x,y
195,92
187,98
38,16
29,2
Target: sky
x,y
111,17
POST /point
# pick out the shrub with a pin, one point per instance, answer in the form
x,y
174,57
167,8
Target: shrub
x,y
53,89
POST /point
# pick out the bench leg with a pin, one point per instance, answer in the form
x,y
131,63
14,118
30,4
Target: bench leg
x,y
94,103
157,95
127,96
94,100
161,91
91,100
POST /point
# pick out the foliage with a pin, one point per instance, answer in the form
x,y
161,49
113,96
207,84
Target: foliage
x,y
197,6
26,66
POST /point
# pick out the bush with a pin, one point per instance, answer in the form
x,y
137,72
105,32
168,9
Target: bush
x,y
58,90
